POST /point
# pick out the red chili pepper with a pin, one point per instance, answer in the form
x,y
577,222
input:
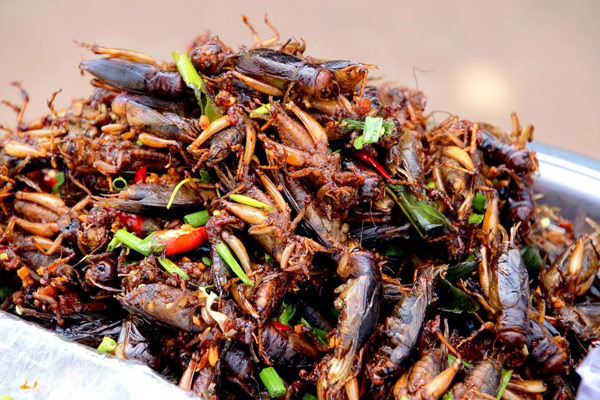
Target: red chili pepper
x,y
132,222
180,240
369,159
140,175
281,327
49,182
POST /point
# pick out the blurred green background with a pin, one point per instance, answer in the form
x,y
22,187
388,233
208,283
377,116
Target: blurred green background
x,y
480,60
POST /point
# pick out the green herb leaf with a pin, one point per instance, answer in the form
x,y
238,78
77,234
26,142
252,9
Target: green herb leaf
x,y
447,396
452,357
479,202
423,215
108,345
5,291
532,259
139,143
287,313
335,312
453,299
206,261
505,379
308,396
476,219
431,184
205,176
319,332
60,179
394,251
460,271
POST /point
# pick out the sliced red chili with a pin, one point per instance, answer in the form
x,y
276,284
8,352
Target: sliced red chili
x,y
281,327
181,240
132,222
140,175
369,159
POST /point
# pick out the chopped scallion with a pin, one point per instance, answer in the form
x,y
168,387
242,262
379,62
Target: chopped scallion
x,y
60,179
193,80
171,267
119,184
199,218
249,201
108,345
206,261
113,244
230,260
131,241
262,110
272,382
176,189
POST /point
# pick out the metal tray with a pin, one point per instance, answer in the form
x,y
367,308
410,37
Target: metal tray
x,y
69,370
570,181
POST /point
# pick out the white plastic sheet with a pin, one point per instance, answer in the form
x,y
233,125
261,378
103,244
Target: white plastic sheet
x,y
65,370
589,371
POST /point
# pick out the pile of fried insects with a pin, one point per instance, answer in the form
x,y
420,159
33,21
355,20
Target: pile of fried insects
x,y
264,224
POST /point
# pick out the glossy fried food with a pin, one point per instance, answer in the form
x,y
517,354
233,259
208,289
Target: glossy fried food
x,y
234,211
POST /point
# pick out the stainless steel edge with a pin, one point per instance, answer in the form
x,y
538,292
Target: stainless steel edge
x,y
572,186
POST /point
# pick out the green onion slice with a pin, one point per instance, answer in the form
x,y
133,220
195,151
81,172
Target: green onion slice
x,y
194,81
171,267
119,184
108,345
249,201
262,110
230,260
199,218
60,179
272,382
